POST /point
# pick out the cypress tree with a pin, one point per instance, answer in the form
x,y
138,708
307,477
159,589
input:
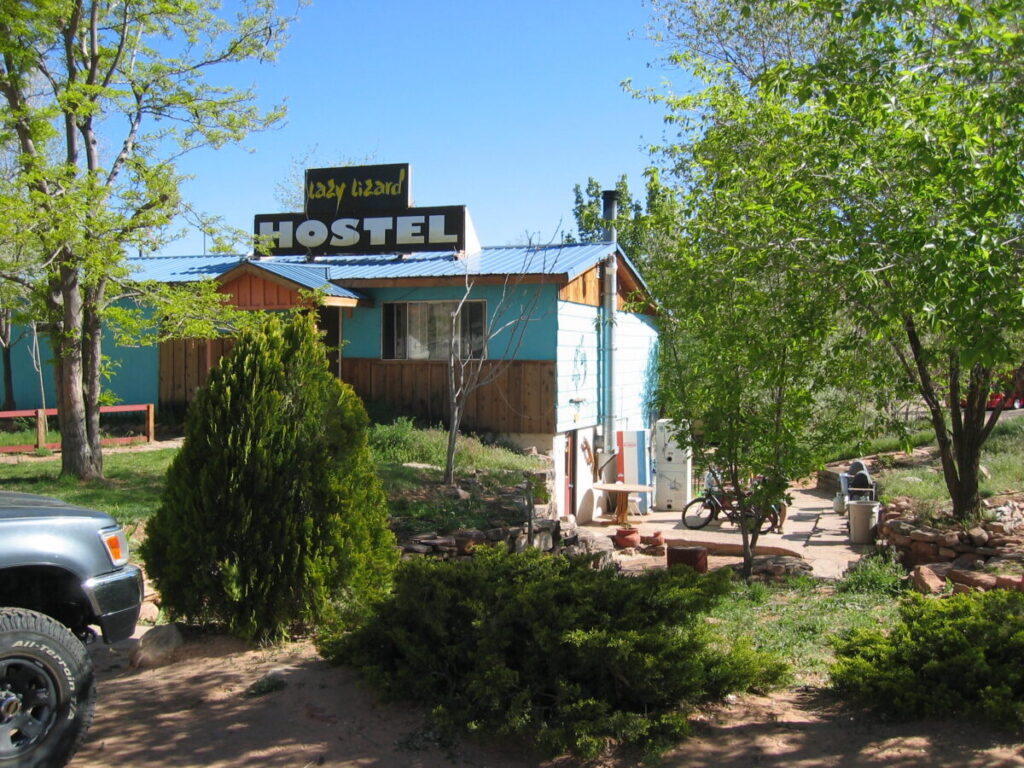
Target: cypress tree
x,y
272,508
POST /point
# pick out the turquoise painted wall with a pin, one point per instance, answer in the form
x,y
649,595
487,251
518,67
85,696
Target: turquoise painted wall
x,y
362,331
134,372
26,380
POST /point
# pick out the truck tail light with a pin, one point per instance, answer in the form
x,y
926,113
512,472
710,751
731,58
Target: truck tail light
x,y
117,545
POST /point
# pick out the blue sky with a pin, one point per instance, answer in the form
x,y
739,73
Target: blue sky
x,y
501,106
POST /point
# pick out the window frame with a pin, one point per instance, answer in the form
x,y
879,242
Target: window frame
x,y
388,323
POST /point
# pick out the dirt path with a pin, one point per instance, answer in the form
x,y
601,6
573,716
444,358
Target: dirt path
x,y
195,713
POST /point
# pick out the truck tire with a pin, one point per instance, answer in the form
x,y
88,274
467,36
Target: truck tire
x,y
47,691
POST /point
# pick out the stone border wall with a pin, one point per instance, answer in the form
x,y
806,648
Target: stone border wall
x,y
969,558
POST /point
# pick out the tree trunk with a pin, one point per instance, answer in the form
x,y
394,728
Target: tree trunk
x,y
453,436
960,460
77,459
9,403
748,546
961,441
92,370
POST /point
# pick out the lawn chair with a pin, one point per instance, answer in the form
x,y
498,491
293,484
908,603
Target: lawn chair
x,y
857,483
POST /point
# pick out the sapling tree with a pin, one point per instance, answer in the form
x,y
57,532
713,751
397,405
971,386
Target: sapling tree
x,y
478,354
749,337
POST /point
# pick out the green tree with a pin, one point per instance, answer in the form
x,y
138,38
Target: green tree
x,y
923,99
908,173
641,228
745,39
750,342
97,100
272,510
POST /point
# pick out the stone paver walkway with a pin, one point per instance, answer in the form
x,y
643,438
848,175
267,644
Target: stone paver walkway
x,y
812,531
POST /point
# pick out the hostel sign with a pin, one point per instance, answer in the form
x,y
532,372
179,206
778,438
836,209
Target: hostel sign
x,y
373,188
361,209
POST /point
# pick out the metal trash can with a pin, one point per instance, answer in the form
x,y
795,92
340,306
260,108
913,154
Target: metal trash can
x,y
863,517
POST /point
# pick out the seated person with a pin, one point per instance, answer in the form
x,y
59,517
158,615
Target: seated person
x,y
711,481
861,485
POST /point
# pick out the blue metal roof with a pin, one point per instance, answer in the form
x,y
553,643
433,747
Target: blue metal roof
x,y
570,260
312,276
182,269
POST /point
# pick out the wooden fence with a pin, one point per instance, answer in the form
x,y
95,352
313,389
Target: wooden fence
x,y
185,365
40,415
520,399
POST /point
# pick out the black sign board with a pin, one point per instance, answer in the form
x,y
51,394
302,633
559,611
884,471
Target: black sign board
x,y
360,209
356,189
441,228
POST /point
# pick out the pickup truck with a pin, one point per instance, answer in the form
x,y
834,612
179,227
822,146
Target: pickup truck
x,y
63,570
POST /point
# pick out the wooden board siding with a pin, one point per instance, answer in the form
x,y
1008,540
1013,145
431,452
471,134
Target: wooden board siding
x,y
520,400
184,367
635,371
253,292
586,289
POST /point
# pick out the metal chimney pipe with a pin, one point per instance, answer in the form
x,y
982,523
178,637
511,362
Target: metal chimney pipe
x,y
607,340
610,212
609,290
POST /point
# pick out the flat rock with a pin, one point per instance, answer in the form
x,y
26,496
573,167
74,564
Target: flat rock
x,y
157,646
974,579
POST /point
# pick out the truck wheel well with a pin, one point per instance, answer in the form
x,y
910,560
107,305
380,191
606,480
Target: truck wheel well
x,y
49,590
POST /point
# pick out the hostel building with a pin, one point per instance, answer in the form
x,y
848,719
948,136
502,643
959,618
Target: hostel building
x,y
564,332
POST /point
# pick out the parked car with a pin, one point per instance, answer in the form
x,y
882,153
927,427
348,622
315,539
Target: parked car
x,y
1009,400
63,570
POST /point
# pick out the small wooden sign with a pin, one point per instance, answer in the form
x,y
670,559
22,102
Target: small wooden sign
x,y
356,189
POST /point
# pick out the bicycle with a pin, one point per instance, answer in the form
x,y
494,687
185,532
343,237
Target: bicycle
x,y
703,509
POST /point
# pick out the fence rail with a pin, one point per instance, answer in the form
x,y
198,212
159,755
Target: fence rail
x,y
40,414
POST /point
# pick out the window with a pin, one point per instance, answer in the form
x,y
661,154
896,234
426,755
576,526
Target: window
x,y
420,330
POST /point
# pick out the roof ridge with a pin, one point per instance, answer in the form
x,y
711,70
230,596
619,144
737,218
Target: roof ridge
x,y
190,256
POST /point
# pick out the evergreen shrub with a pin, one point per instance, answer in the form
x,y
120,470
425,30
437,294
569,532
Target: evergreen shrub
x,y
272,511
550,650
958,655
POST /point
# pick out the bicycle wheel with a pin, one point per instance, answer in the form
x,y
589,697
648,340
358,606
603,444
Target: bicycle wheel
x,y
770,521
698,513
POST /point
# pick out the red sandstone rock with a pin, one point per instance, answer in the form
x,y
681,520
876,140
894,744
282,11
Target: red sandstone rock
x,y
928,535
1010,582
967,560
927,579
976,579
950,539
979,536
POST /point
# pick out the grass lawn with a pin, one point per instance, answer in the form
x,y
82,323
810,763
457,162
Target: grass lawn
x,y
1002,456
796,620
130,493
135,479
27,437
